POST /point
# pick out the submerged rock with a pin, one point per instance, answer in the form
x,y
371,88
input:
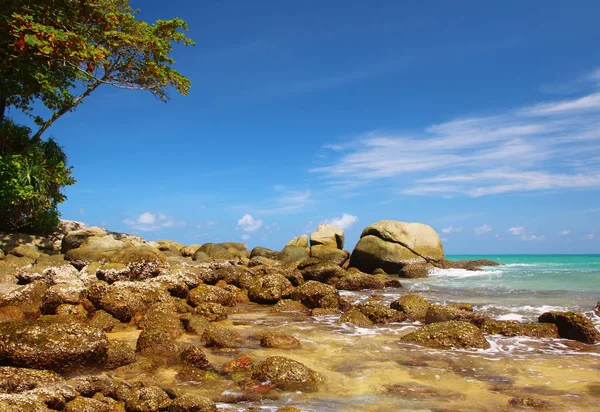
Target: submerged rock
x,y
51,344
355,317
442,313
453,334
380,314
279,341
514,328
287,374
572,325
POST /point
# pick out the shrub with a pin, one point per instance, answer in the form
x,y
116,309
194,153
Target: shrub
x,y
32,175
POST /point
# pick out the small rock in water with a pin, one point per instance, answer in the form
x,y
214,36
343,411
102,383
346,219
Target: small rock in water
x,y
287,374
572,325
444,335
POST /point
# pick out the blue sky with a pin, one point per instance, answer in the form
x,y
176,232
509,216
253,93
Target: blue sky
x,y
479,119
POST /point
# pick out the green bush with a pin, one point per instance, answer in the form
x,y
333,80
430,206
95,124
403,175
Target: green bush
x,y
32,174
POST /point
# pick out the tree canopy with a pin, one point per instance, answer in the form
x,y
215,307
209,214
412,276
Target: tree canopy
x,y
60,51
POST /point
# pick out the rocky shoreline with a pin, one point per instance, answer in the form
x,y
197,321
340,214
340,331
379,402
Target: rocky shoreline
x,y
89,318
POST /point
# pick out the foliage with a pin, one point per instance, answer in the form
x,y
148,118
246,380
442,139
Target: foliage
x,y
50,49
32,174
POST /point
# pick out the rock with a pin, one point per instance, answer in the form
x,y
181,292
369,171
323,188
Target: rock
x,y
214,251
10,313
529,403
192,403
440,313
269,288
380,314
47,344
355,317
119,354
156,342
301,241
59,294
147,399
212,312
390,245
329,254
453,334
322,272
27,299
75,238
289,305
124,299
221,337
194,356
1,254
263,252
467,264
16,380
139,254
189,251
169,246
82,404
514,328
291,254
572,325
279,341
414,270
105,243
162,316
313,294
414,306
287,374
356,280
31,252
328,235
196,324
211,294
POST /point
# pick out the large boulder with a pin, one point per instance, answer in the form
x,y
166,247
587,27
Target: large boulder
x,y
572,325
299,241
62,346
390,245
291,254
214,251
328,235
414,306
75,238
313,294
453,334
445,313
329,254
514,328
287,374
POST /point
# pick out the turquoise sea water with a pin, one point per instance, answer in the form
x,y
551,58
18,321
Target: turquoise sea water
x,y
522,288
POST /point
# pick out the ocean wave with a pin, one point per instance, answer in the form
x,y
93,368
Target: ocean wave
x,y
461,273
519,265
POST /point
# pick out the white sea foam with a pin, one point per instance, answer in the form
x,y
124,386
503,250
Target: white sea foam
x,y
512,316
519,265
461,273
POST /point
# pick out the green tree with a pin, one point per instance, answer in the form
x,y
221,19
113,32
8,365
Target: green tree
x,y
32,175
60,51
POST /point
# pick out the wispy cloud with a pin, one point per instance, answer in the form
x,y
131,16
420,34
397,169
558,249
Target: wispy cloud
x,y
344,222
483,229
524,234
288,201
552,145
590,236
149,222
452,229
564,232
248,224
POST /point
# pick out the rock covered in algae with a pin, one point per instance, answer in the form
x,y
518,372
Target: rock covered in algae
x,y
16,380
62,346
414,306
279,340
453,334
572,325
514,328
287,374
313,294
442,313
192,402
269,288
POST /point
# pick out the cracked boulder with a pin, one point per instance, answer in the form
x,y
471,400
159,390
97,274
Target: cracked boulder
x,y
390,245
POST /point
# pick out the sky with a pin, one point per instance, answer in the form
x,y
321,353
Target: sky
x,y
479,119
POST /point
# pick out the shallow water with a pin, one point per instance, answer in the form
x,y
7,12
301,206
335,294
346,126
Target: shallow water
x,y
368,369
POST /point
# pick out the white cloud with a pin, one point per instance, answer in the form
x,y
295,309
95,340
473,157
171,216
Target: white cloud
x,y
209,224
483,229
533,237
452,229
564,232
546,146
245,237
248,224
149,222
288,201
345,221
516,230
590,236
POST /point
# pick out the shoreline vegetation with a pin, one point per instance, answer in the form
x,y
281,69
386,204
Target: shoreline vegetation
x,y
97,320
